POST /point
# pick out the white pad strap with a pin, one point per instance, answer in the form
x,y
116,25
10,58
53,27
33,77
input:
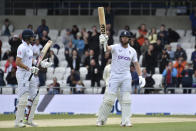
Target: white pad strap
x,y
22,102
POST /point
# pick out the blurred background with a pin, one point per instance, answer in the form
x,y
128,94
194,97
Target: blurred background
x,y
162,32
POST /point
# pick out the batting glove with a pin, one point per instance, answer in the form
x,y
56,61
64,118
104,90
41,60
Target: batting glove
x,y
45,63
142,81
34,70
103,39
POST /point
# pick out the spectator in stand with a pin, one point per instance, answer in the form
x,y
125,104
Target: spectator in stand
x,y
85,37
150,60
93,73
30,27
149,82
158,49
68,50
173,36
169,77
163,35
37,48
110,38
170,52
193,59
44,38
79,87
67,38
164,60
79,44
74,31
135,81
74,61
10,63
41,28
72,80
6,55
109,15
11,78
194,79
2,82
7,28
54,87
180,52
104,60
133,43
187,78
193,21
54,59
152,36
179,65
84,57
144,47
93,41
0,48
14,43
89,58
142,32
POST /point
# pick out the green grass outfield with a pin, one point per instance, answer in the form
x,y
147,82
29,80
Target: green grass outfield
x,y
177,126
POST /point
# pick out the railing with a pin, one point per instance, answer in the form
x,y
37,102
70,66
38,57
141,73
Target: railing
x,y
86,7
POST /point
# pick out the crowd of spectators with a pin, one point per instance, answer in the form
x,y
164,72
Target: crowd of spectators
x,y
82,49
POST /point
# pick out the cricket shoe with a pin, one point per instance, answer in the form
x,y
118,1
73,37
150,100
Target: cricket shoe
x,y
20,125
100,123
32,124
126,125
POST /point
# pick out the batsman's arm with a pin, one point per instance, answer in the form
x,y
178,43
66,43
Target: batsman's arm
x,y
138,69
20,64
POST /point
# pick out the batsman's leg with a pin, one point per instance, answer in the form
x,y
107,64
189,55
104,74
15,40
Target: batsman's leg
x,y
33,100
22,102
126,102
105,108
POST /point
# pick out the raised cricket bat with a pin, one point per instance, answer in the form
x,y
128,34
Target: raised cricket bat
x,y
42,54
102,22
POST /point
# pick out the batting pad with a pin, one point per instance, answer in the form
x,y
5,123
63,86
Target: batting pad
x,y
22,102
126,107
106,107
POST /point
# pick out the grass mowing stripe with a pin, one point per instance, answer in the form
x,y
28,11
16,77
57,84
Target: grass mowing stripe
x,y
66,116
180,126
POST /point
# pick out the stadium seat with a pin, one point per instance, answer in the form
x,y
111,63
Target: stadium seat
x,y
158,80
48,82
63,33
66,90
60,70
87,83
43,91
50,70
63,63
42,12
181,32
83,72
4,38
160,12
17,31
173,45
102,83
53,33
29,12
7,91
156,70
88,91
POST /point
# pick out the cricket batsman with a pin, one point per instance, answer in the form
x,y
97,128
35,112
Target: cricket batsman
x,y
120,78
28,94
